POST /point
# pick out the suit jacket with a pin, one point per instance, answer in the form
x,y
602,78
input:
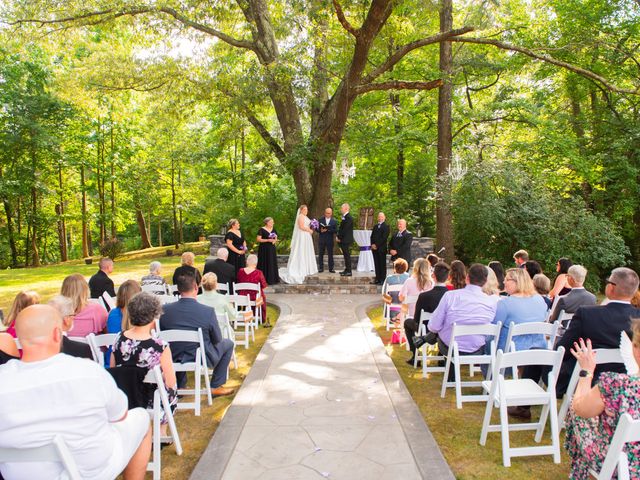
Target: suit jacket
x,y
188,314
429,301
573,300
601,324
100,283
379,236
332,228
402,245
225,272
345,231
75,349
189,270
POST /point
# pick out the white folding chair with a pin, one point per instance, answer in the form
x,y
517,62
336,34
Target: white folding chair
x,y
454,357
155,289
408,301
172,289
97,342
549,330
223,288
252,287
428,353
164,299
99,301
564,320
108,299
195,366
603,355
56,451
227,332
242,305
628,430
386,309
518,392
160,404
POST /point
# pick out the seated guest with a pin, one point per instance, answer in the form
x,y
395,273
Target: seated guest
x,y
498,269
88,317
520,258
577,296
188,259
602,324
560,286
8,348
100,281
154,279
491,287
218,301
118,319
188,314
419,282
595,412
64,306
136,347
457,276
22,301
542,285
432,258
533,268
225,272
427,301
465,306
47,394
398,277
251,274
523,305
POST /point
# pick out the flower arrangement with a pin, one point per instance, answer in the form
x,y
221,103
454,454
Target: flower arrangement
x,y
315,225
273,235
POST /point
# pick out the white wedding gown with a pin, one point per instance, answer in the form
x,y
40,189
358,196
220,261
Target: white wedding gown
x,y
302,259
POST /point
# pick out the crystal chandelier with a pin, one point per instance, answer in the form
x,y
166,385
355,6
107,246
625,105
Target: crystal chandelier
x,y
456,170
347,172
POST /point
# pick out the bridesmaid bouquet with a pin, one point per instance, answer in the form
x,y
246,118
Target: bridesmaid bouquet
x,y
315,225
273,235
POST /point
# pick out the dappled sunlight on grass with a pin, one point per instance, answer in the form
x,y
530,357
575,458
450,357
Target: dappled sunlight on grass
x,y
458,431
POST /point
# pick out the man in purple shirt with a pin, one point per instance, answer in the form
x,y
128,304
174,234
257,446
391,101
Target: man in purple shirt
x,y
466,306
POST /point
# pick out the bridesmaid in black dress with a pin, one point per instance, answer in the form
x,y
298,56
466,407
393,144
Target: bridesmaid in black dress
x,y
267,256
236,245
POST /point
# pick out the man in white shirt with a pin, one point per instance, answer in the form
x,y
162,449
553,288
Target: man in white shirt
x,y
48,393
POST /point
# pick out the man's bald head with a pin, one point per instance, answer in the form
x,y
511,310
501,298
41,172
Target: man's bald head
x,y
39,327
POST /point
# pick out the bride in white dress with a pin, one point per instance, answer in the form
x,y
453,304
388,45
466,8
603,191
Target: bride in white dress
x,y
302,259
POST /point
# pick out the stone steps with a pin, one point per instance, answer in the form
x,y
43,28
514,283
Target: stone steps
x,y
331,283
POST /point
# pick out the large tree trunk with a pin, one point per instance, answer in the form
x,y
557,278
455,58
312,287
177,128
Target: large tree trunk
x,y
62,223
10,233
176,234
35,255
397,127
444,218
85,236
142,227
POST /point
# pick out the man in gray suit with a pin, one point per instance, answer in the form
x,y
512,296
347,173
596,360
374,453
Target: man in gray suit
x,y
188,314
577,297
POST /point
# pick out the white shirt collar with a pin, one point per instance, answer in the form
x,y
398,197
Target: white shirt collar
x,y
624,302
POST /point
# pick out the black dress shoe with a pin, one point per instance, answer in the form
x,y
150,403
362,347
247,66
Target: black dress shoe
x,y
320,271
374,283
411,361
347,274
332,271
523,413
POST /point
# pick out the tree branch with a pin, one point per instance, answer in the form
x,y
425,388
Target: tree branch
x,y
402,51
266,136
343,20
93,18
548,59
396,85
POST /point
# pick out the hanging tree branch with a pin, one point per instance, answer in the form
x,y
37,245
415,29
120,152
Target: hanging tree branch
x,y
547,59
343,20
397,85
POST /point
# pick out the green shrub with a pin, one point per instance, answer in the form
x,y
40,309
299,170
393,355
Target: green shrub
x,y
112,248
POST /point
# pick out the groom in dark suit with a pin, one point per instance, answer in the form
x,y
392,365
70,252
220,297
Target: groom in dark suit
x,y
345,238
379,237
400,244
328,228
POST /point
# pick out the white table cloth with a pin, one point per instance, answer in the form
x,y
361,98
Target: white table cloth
x,y
365,260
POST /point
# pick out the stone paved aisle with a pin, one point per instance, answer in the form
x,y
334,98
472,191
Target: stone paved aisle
x,y
323,400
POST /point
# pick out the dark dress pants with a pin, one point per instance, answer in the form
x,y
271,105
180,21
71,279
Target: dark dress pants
x,y
380,262
325,243
347,256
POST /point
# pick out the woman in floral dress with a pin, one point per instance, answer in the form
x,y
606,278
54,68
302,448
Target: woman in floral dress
x,y
138,347
595,412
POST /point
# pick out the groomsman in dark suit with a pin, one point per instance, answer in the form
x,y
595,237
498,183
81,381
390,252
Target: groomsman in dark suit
x,y
328,228
400,244
379,238
345,238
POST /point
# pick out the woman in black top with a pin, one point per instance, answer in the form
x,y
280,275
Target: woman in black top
x,y
236,245
8,348
187,267
267,256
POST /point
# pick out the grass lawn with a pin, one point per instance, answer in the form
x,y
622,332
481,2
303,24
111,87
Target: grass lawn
x,y
132,265
458,431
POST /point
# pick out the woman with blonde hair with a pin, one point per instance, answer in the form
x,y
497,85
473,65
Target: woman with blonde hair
x,y
187,267
23,300
523,305
88,317
118,319
218,301
492,286
419,282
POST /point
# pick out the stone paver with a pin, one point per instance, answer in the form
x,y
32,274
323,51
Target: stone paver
x,y
323,400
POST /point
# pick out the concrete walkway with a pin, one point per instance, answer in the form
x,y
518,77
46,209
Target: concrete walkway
x,y
323,400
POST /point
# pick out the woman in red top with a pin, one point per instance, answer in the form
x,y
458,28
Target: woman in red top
x,y
251,274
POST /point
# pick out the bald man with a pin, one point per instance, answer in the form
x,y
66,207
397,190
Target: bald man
x,y
345,238
48,393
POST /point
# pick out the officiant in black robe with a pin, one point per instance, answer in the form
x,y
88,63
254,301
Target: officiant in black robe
x,y
345,238
400,243
326,237
379,238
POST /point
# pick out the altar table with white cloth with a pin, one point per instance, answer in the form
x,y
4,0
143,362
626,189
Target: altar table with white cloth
x,y
365,260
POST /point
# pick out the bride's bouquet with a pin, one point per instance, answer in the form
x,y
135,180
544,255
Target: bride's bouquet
x,y
314,225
